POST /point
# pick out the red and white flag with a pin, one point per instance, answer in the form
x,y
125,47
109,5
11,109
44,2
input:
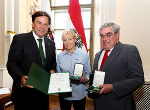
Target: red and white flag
x,y
46,7
35,6
76,20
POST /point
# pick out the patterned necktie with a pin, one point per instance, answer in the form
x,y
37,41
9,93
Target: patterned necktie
x,y
104,58
41,51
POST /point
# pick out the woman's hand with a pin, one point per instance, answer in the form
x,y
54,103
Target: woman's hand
x,y
83,79
52,71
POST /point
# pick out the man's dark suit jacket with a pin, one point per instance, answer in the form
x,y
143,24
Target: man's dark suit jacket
x,y
23,52
123,68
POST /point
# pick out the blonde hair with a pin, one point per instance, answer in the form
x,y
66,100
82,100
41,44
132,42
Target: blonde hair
x,y
69,32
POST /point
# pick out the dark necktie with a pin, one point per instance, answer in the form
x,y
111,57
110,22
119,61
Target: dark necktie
x,y
41,51
104,58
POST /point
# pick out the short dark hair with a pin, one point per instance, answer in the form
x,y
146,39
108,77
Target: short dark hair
x,y
41,13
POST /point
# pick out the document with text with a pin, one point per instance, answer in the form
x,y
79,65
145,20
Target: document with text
x,y
48,83
59,82
98,78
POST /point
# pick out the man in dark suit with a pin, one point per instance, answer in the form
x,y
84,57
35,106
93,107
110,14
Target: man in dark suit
x,y
123,71
24,50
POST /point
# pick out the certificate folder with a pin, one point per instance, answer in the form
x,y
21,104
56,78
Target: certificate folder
x,y
41,80
98,80
92,89
78,69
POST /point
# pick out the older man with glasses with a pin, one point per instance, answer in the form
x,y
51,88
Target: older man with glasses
x,y
123,70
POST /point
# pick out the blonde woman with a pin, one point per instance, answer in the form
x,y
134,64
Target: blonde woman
x,y
66,61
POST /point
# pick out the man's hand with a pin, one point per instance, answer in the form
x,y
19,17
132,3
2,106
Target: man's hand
x,y
106,88
23,82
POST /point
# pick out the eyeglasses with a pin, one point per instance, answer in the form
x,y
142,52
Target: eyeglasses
x,y
109,34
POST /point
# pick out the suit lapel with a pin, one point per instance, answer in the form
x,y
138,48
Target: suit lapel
x,y
34,47
97,60
47,47
113,55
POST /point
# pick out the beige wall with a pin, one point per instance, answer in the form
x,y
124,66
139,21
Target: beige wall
x,y
134,19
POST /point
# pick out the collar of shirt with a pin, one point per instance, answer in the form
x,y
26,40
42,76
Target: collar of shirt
x,y
103,51
36,37
37,42
101,56
75,52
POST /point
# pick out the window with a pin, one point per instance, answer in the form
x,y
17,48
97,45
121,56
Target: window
x,y
59,20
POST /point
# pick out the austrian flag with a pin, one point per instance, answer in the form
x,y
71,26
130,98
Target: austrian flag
x,y
76,19
46,7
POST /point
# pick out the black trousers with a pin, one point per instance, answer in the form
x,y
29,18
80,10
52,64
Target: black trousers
x,y
77,104
31,99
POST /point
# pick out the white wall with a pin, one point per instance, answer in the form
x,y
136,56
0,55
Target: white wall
x,y
9,21
134,19
5,78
